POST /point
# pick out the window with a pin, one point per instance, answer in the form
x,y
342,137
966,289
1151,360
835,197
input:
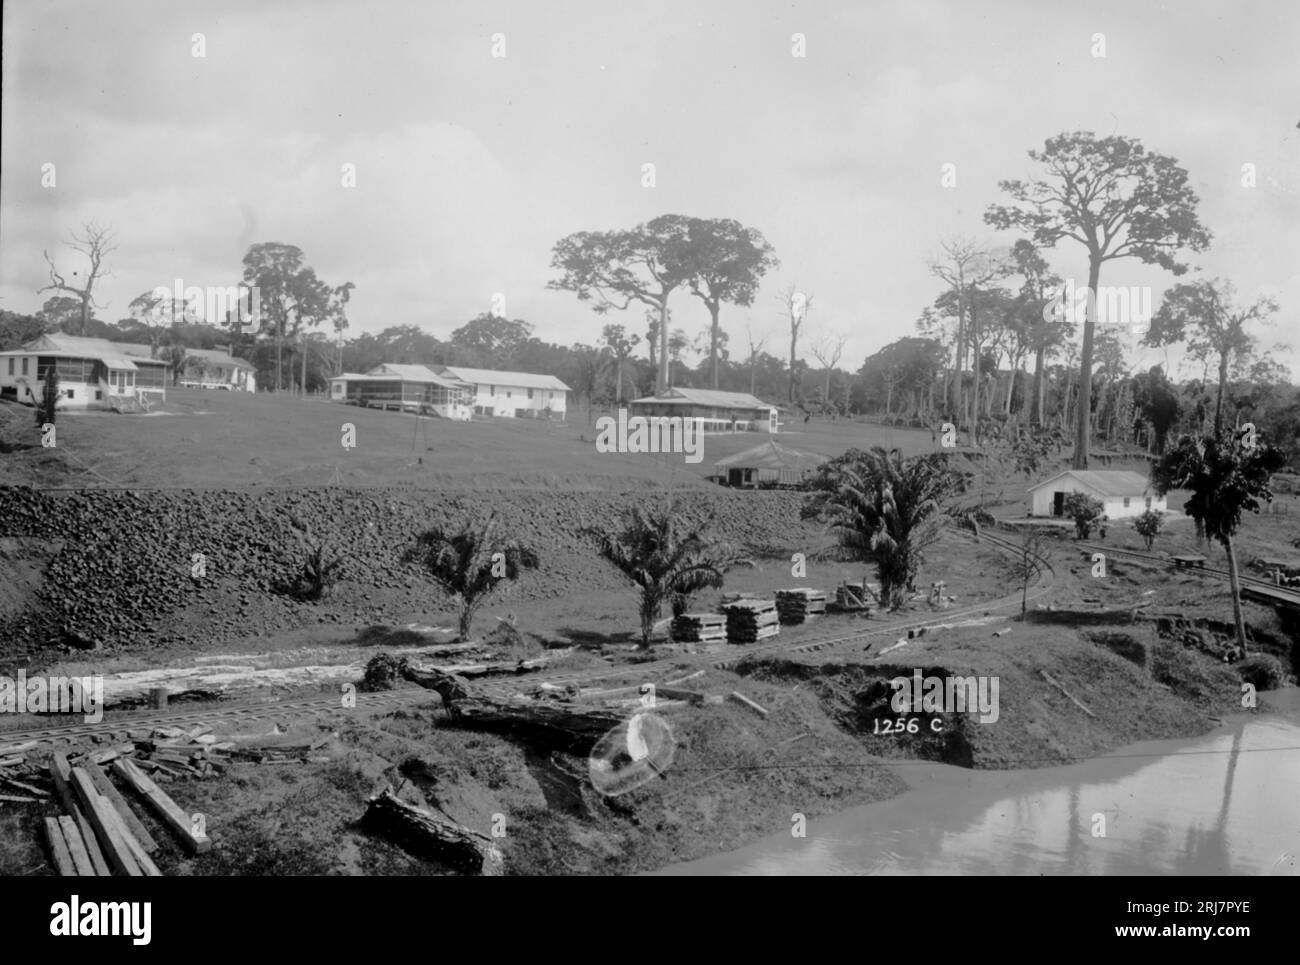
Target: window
x,y
99,395
1126,502
530,393
11,366
70,395
1148,502
24,366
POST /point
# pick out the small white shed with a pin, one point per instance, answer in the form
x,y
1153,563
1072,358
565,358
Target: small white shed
x,y
1123,493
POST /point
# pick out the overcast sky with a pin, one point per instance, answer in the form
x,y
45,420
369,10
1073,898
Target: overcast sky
x,y
469,167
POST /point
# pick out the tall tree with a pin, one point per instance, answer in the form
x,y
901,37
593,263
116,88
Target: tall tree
x,y
615,268
828,349
153,311
491,341
95,243
1045,332
1226,477
728,261
621,345
796,305
755,348
1204,315
1117,200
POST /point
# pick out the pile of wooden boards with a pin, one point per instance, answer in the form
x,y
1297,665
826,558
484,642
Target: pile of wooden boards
x,y
100,834
749,621
14,774
699,627
796,606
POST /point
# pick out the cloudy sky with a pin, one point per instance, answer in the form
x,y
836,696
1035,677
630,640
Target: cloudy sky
x,y
469,167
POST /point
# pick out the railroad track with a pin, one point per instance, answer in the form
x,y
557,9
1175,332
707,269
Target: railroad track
x,y
504,687
1210,571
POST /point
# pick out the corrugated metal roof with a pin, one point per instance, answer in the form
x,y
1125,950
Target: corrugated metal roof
x,y
119,363
709,397
409,373
216,355
769,455
1104,482
523,380
91,346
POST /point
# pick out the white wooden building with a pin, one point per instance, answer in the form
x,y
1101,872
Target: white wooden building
x,y
93,373
217,369
410,388
1123,493
518,394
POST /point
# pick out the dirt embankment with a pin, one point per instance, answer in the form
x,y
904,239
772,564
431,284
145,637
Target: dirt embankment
x,y
124,568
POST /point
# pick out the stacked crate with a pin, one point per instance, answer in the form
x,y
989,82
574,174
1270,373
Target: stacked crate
x,y
749,621
699,627
796,606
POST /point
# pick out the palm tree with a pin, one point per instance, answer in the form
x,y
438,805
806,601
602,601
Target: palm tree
x,y
1225,476
468,562
885,508
668,560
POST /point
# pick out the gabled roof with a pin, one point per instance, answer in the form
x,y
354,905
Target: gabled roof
x,y
1104,482
216,355
522,380
409,373
709,397
769,455
90,347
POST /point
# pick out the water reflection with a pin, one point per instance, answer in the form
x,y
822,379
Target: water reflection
x,y
1221,804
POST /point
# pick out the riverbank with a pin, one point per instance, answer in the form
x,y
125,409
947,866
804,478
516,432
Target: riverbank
x,y
736,777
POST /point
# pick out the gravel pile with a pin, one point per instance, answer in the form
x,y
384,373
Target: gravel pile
x,y
126,571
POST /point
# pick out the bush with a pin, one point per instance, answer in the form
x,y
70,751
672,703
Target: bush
x,y
1085,510
1263,671
1148,526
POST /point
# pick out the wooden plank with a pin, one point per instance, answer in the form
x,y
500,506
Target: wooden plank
x,y
30,789
739,698
138,854
115,849
110,791
77,847
61,775
59,849
19,799
165,807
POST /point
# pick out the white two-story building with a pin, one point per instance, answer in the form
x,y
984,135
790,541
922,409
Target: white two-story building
x,y
519,394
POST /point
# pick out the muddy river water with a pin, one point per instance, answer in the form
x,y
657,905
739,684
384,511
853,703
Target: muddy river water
x,y
1225,803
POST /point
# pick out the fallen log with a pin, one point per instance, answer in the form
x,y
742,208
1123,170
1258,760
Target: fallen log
x,y
569,727
429,836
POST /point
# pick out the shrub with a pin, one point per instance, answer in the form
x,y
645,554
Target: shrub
x,y
1085,510
1263,671
1148,526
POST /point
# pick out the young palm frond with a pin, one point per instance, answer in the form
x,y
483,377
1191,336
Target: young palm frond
x,y
884,508
667,561
469,562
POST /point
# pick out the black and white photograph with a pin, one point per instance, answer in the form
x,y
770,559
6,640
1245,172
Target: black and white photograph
x,y
458,439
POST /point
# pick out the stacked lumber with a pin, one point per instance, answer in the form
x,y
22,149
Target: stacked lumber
x,y
797,605
100,835
699,627
749,621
